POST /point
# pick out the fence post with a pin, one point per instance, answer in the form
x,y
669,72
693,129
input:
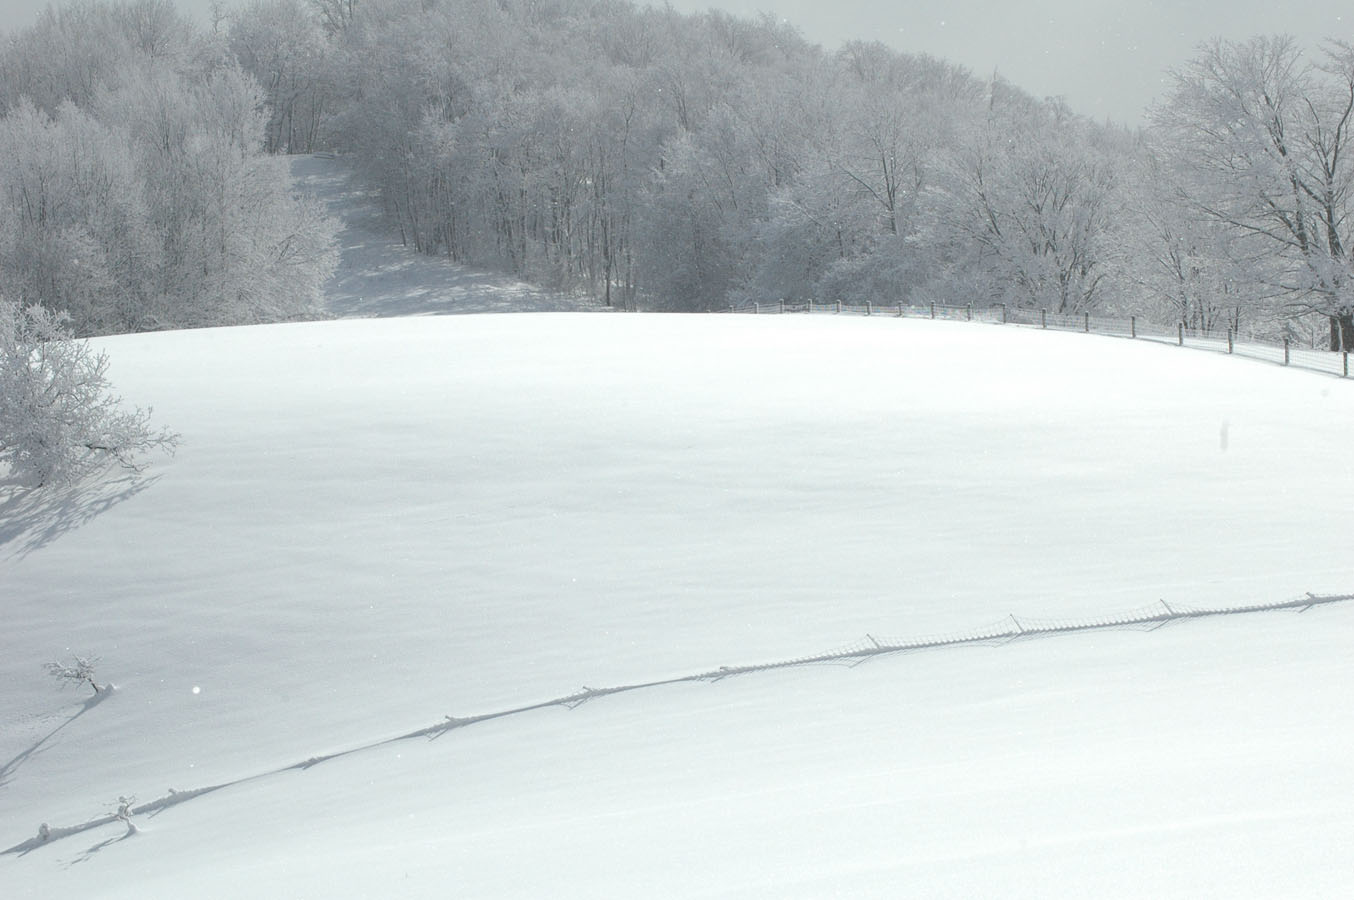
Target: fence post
x,y
782,305
1230,339
1285,350
810,304
1003,314
1346,354
933,309
968,313
755,307
839,306
1133,326
1087,324
1180,333
900,310
1043,318
869,308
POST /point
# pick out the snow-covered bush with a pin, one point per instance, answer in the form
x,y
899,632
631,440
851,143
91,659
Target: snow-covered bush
x,y
58,419
123,813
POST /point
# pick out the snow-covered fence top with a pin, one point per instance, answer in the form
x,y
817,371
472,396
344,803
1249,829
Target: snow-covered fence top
x,y
1012,628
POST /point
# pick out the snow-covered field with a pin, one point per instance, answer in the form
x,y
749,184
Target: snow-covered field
x,y
372,525
375,524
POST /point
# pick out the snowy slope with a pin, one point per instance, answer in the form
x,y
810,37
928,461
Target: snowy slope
x,y
374,525
378,276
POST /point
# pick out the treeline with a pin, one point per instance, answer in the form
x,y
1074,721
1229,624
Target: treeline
x,y
135,192
685,162
690,161
667,161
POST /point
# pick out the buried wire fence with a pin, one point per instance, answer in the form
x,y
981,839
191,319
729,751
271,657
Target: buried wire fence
x,y
1015,627
1012,628
1228,341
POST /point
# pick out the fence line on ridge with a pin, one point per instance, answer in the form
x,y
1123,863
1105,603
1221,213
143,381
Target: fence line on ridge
x,y
1285,353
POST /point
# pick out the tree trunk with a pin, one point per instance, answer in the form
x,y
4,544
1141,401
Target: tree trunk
x,y
1342,331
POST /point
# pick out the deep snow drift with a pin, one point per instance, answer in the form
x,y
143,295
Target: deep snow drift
x,y
373,525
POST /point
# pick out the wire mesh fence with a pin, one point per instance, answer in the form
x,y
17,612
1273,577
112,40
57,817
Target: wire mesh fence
x,y
1285,353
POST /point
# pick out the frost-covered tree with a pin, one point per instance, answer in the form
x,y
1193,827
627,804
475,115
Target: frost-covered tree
x,y
1036,193
59,420
281,44
74,230
65,56
76,48
1264,140
891,129
685,234
1185,267
334,15
237,246
78,670
134,190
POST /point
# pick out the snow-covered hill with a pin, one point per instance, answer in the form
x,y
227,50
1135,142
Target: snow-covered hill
x,y
372,525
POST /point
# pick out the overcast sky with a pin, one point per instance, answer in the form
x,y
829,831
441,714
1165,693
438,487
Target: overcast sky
x,y
1107,57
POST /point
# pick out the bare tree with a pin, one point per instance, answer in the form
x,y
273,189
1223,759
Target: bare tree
x,y
1037,191
1263,138
80,669
283,47
335,15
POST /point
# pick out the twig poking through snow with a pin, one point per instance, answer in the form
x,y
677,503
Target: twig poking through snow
x,y
124,813
80,669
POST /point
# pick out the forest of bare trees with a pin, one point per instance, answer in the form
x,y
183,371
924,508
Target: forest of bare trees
x,y
656,160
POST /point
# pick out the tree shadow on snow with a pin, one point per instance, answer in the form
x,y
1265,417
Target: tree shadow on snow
x,y
8,769
31,518
89,852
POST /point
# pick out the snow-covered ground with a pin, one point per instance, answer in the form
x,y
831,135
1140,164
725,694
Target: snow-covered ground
x,y
373,525
378,276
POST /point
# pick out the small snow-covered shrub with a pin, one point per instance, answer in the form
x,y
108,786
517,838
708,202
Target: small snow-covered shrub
x,y
80,670
58,419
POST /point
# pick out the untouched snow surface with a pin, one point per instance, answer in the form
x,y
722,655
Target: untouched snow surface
x,y
375,524
379,276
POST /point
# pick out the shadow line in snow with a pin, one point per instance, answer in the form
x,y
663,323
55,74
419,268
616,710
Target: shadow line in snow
x,y
88,854
1009,630
8,769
